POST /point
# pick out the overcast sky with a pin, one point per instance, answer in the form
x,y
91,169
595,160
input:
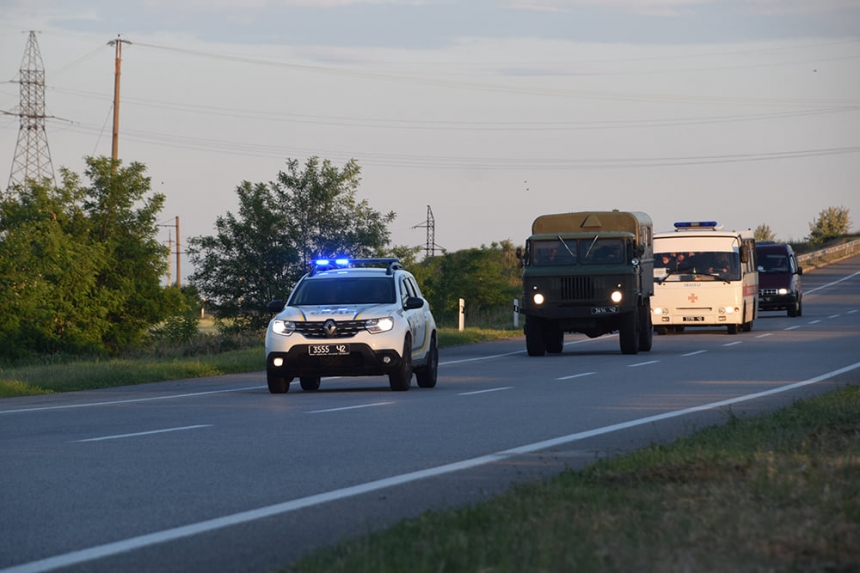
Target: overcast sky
x,y
491,112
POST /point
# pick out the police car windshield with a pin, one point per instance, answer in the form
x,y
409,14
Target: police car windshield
x,y
339,290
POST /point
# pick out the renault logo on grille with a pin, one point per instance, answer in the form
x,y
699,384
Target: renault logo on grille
x,y
330,328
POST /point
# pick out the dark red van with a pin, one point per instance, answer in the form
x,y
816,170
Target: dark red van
x,y
779,278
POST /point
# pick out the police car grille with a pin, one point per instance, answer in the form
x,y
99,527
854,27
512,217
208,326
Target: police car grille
x,y
345,329
577,288
767,291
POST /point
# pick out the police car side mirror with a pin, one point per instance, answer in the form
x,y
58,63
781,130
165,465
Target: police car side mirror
x,y
275,306
413,302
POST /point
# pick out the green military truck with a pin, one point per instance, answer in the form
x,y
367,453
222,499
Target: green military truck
x,y
590,272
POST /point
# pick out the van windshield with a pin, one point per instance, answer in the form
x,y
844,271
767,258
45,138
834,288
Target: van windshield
x,y
773,263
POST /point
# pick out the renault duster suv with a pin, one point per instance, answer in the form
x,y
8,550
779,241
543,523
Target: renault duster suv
x,y
346,319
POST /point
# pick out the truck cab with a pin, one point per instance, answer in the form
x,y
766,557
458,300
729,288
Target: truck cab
x,y
588,272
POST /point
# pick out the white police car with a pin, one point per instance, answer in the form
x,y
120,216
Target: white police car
x,y
343,319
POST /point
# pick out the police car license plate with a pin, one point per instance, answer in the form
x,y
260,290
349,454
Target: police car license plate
x,y
694,319
604,309
328,349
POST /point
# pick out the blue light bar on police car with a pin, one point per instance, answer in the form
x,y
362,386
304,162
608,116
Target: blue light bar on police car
x,y
696,224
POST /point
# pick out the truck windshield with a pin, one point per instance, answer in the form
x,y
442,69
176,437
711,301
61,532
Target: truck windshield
x,y
602,251
553,252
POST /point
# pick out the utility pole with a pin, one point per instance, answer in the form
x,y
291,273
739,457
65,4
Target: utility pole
x,y
32,155
117,69
170,253
178,274
170,250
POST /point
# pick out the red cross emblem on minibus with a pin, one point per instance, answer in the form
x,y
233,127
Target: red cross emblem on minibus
x,y
693,297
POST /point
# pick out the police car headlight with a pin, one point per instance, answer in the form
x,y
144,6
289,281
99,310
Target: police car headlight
x,y
616,296
284,327
377,325
538,298
783,291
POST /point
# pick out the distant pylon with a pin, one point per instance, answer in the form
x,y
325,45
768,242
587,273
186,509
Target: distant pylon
x,y
430,225
32,156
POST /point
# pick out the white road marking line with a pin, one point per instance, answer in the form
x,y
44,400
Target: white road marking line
x,y
349,408
852,311
642,363
485,391
831,284
834,316
129,401
133,543
580,375
814,322
120,436
477,358
734,343
765,335
694,353
792,327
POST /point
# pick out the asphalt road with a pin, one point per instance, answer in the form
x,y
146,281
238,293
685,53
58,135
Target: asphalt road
x,y
216,474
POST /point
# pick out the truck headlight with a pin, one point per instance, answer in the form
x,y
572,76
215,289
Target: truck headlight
x,y
538,298
377,325
616,296
283,327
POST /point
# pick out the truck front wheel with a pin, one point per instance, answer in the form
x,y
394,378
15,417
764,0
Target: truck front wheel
x,y
628,335
535,344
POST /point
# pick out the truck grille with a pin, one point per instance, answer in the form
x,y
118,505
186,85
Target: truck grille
x,y
345,329
577,288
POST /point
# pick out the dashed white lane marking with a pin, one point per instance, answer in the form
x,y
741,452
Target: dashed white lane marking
x,y
149,433
642,363
733,343
485,391
765,335
349,407
133,543
694,353
580,375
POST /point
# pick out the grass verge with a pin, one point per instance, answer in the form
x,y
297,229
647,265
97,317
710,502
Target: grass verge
x,y
73,375
779,492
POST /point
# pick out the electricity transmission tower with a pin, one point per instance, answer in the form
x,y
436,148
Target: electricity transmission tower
x,y
430,225
32,156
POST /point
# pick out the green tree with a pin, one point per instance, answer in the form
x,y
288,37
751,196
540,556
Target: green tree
x,y
258,254
831,223
79,264
764,233
487,278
